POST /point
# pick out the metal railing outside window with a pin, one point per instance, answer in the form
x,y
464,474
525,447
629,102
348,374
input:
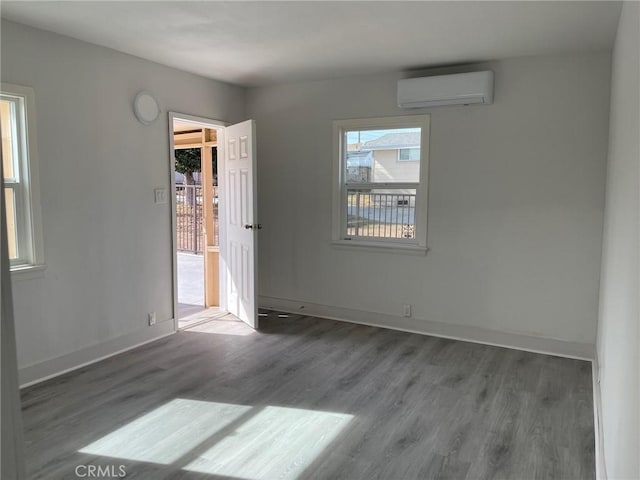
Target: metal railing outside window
x,y
381,214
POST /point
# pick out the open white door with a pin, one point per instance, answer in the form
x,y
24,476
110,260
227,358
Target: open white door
x,y
241,222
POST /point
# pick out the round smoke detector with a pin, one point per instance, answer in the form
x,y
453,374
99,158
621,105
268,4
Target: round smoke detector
x,y
146,108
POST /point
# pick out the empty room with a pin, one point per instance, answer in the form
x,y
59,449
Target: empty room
x,y
320,240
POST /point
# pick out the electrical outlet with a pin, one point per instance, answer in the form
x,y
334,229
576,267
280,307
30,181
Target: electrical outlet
x,y
406,310
152,318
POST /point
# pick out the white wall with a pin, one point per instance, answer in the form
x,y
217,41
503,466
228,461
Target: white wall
x,y
618,332
515,203
107,246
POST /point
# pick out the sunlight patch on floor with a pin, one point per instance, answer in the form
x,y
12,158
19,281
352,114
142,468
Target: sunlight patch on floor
x,y
225,439
168,432
223,327
278,443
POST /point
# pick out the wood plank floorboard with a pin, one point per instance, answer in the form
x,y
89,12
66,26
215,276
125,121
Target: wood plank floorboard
x,y
314,399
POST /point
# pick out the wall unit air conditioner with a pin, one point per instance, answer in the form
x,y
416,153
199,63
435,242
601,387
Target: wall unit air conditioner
x,y
457,89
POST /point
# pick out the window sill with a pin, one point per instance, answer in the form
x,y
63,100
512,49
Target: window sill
x,y
28,272
381,247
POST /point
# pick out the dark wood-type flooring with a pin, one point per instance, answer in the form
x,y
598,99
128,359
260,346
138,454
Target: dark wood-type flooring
x,y
314,399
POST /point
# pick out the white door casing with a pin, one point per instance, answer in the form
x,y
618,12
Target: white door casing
x,y
241,222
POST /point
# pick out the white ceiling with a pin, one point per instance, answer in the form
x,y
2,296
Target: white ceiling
x,y
259,43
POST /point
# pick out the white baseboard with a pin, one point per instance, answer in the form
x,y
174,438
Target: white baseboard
x,y
39,372
601,470
551,346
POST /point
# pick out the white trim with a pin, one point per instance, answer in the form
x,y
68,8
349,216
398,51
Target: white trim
x,y
337,181
601,467
202,121
383,186
30,178
27,272
222,220
41,371
517,341
338,220
378,246
220,128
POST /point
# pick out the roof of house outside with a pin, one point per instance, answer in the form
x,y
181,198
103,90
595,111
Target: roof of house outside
x,y
359,159
392,141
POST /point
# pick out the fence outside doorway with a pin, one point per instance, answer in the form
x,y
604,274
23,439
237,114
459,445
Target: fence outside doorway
x,y
189,218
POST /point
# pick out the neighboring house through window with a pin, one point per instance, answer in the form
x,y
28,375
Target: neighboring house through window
x,y
380,172
20,177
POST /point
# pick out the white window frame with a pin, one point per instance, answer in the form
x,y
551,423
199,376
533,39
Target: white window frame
x,y
26,184
417,245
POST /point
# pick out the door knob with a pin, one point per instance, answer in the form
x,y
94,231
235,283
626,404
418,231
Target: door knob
x,y
255,226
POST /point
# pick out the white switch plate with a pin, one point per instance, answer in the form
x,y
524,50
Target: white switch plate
x,y
152,318
160,195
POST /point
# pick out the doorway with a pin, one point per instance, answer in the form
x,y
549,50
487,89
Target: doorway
x,y
226,236
196,220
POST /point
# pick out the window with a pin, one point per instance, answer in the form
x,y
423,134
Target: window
x,y
380,187
409,154
20,177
